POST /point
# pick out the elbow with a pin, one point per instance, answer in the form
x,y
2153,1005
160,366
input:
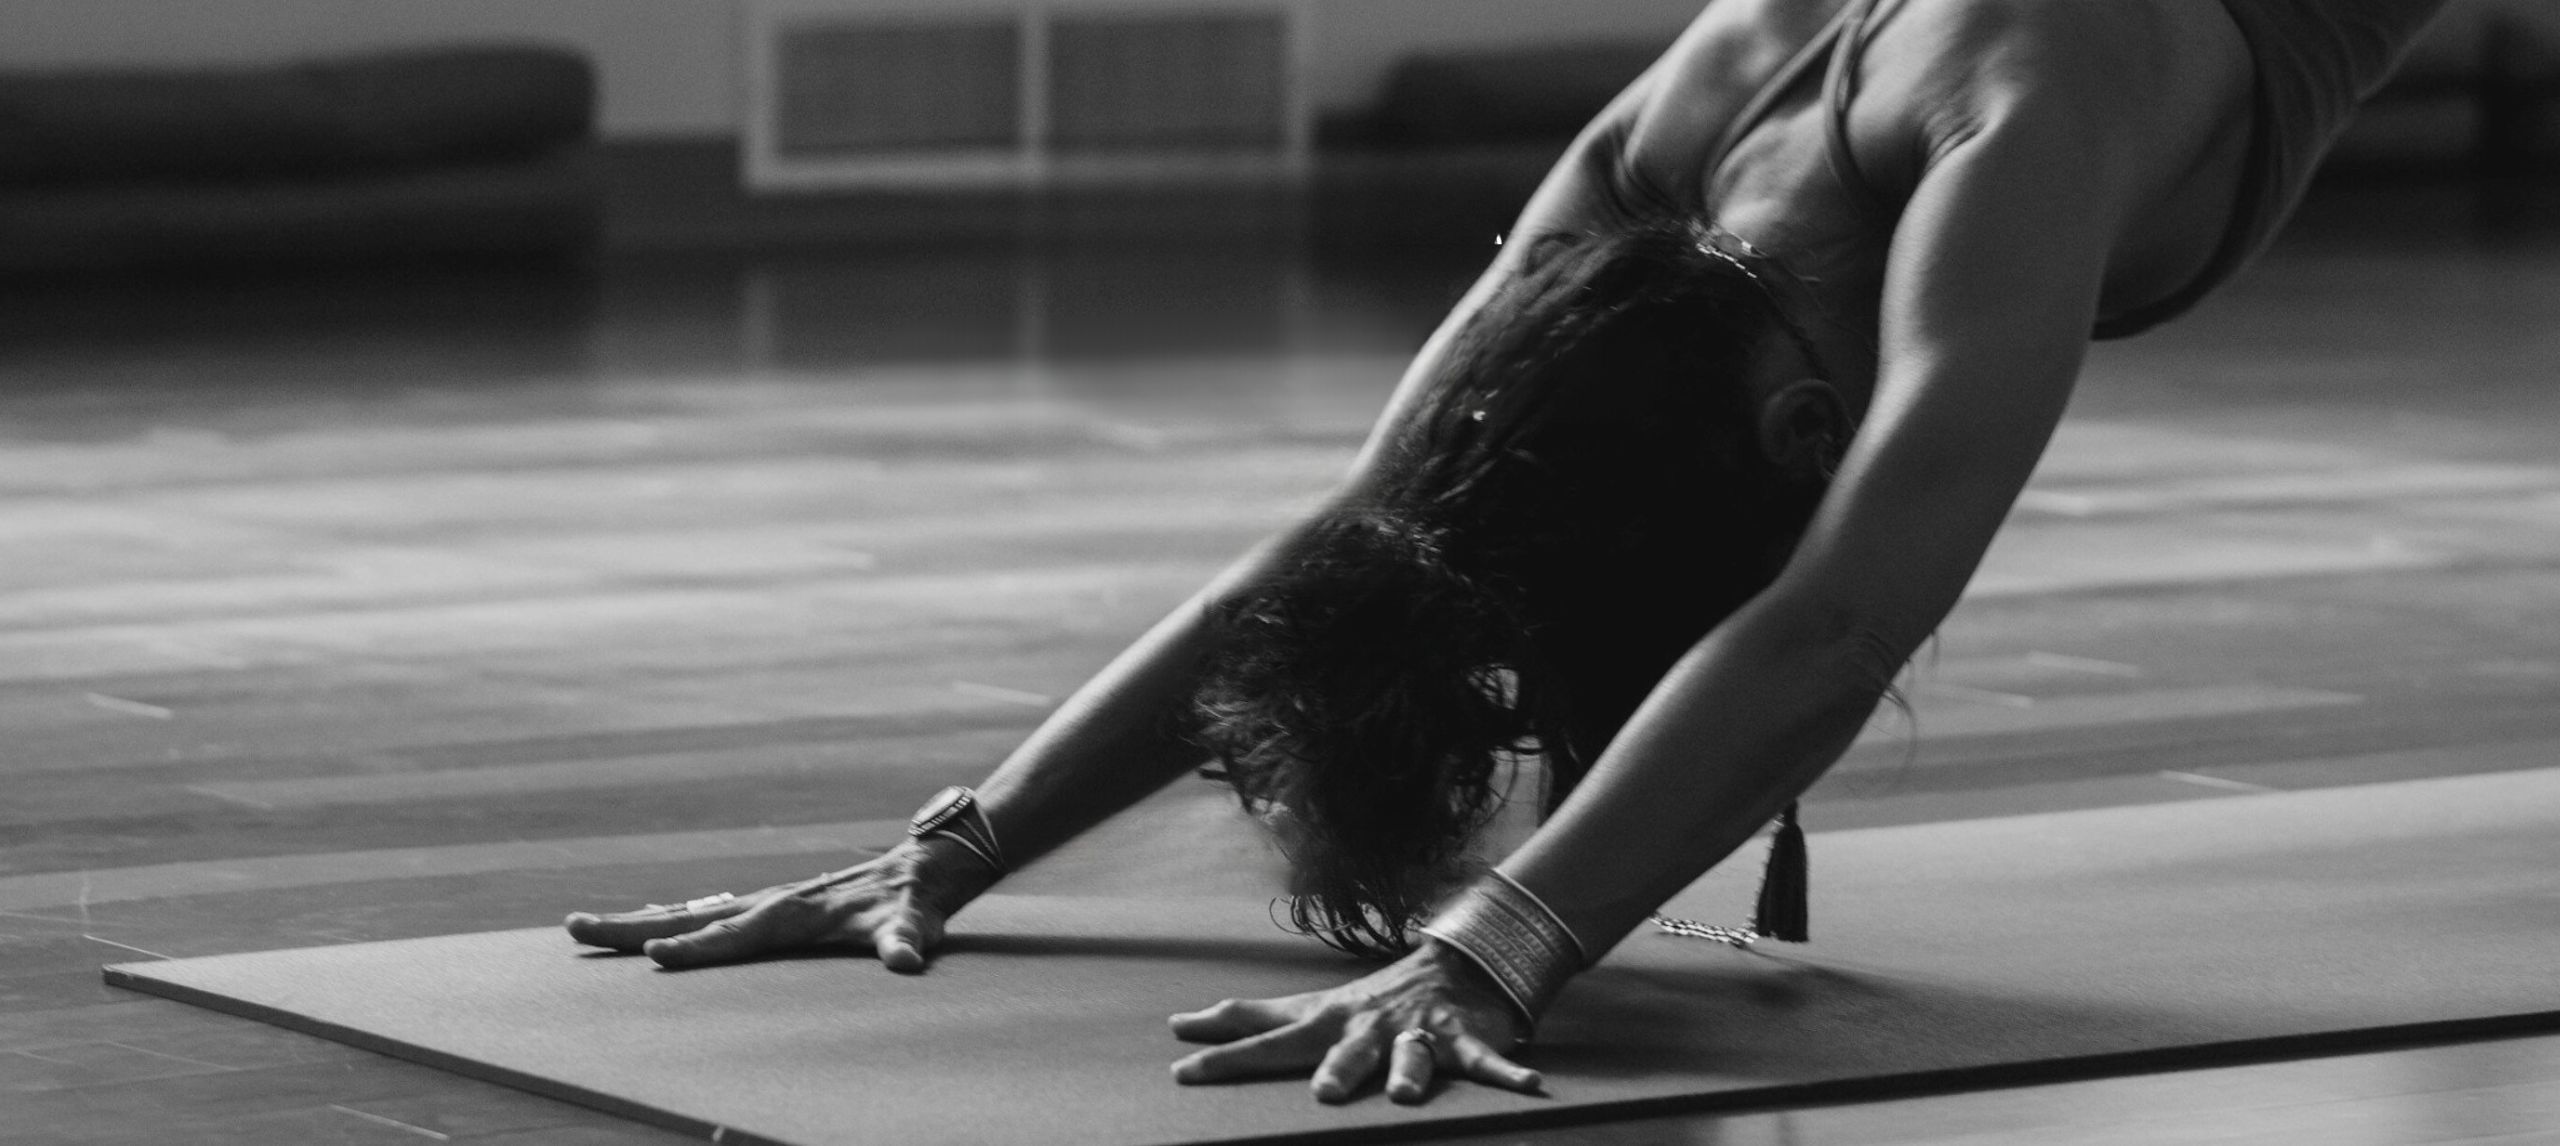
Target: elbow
x,y
1857,649
1873,654
1858,657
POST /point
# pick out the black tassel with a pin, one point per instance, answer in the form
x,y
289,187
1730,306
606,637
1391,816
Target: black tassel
x,y
1783,889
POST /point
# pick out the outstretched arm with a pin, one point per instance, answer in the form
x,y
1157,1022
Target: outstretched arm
x,y
1992,282
1115,740
1991,288
1118,738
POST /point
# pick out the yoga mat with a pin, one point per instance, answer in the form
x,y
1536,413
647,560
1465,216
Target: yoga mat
x,y
1956,955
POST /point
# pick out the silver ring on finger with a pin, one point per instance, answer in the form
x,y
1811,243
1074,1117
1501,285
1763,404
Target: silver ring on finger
x,y
1425,1036
690,906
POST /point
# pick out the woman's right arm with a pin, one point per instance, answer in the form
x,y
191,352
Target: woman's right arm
x,y
1121,736
1117,739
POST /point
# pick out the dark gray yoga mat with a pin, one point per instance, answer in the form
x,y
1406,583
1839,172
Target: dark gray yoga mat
x,y
1970,954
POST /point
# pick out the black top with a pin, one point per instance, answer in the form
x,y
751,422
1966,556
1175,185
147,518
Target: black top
x,y
2315,61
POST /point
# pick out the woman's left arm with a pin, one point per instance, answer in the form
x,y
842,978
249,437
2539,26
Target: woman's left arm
x,y
1992,284
1991,288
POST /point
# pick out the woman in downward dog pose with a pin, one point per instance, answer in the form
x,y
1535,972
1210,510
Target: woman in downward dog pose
x,y
1706,453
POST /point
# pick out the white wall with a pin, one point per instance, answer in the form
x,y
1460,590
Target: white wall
x,y
668,67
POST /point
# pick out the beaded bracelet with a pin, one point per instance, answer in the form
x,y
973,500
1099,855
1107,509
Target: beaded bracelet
x,y
1503,928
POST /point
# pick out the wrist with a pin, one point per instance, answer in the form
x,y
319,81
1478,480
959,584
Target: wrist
x,y
955,813
1462,973
948,874
1514,940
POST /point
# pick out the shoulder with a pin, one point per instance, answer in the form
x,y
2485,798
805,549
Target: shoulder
x,y
1959,48
2125,78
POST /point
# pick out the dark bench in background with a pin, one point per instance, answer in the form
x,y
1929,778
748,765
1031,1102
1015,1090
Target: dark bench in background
x,y
2481,87
465,152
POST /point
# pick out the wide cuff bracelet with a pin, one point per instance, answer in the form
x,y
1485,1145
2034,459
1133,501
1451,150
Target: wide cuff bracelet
x,y
1511,934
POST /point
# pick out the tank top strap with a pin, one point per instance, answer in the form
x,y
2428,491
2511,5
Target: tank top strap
x,y
1797,67
1839,86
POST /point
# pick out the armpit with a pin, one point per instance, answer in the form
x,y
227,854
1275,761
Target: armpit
x,y
1622,188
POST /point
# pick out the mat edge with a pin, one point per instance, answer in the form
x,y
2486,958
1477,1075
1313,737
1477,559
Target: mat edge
x,y
1937,1083
1826,1092
122,976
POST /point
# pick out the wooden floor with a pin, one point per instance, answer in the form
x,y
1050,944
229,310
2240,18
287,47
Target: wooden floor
x,y
353,609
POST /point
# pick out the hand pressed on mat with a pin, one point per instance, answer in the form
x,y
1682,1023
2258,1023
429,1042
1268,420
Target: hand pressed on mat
x,y
1348,1033
896,905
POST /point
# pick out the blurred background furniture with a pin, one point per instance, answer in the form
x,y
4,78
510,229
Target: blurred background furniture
x,y
2480,87
470,152
137,134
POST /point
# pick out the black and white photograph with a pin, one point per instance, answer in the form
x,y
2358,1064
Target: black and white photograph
x,y
1152,572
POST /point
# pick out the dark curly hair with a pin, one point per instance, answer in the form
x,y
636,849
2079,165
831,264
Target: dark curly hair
x,y
1579,497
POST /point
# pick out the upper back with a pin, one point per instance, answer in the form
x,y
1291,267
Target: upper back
x,y
2167,73
1816,174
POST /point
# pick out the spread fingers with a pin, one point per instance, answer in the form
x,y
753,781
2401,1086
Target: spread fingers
x,y
1294,1047
1353,1059
1232,1019
901,942
772,927
1410,1065
1475,1059
627,930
